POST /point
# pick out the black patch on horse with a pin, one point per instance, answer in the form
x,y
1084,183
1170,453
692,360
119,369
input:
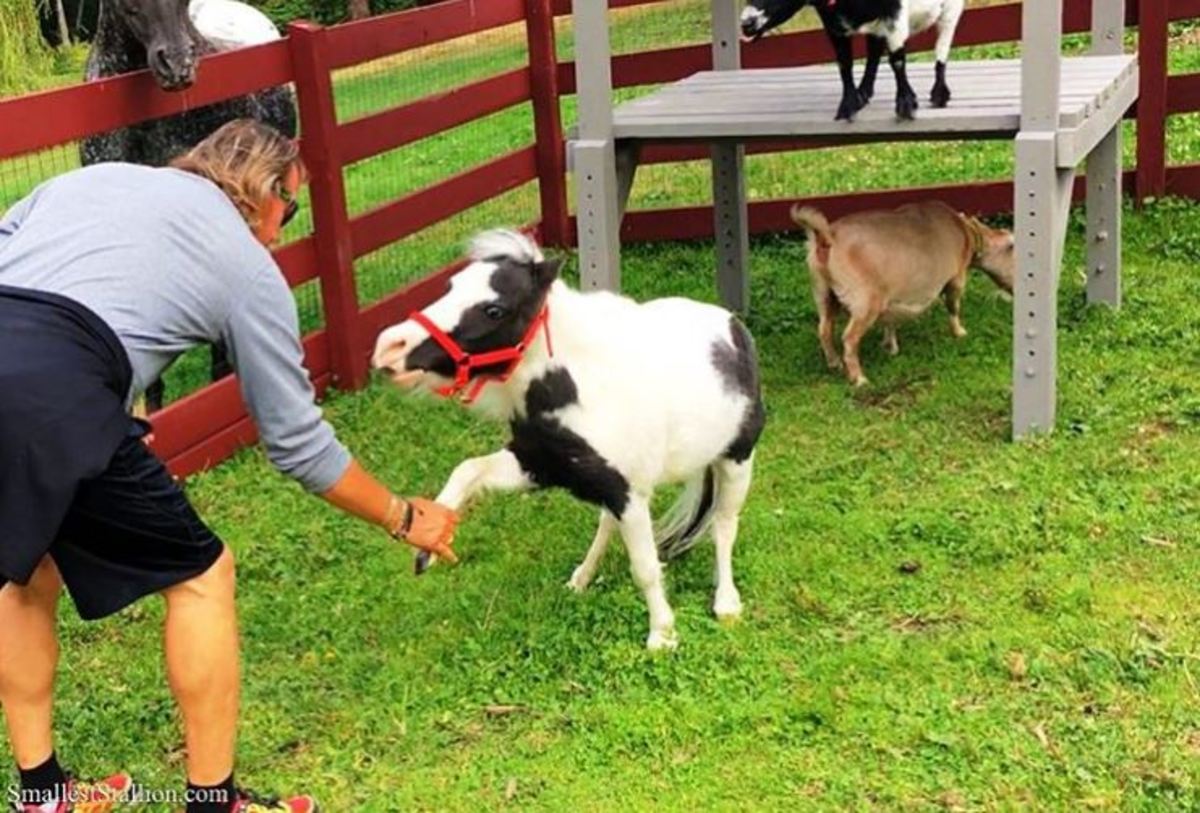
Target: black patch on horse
x,y
520,291
550,393
737,364
553,455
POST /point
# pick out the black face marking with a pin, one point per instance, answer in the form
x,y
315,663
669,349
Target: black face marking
x,y
502,321
550,393
553,455
776,13
737,365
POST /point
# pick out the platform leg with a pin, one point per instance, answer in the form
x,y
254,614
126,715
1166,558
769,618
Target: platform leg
x,y
599,215
628,155
732,226
1104,221
1041,205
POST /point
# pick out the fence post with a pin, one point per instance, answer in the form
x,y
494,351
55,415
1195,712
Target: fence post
x,y
1152,99
547,118
327,192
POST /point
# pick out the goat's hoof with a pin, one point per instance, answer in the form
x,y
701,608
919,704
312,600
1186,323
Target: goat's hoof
x,y
579,580
659,640
906,106
728,608
849,106
940,96
834,364
860,381
959,332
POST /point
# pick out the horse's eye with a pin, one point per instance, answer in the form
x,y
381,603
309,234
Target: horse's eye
x,y
494,312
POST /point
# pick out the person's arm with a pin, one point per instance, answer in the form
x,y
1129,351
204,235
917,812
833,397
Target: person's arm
x,y
422,523
263,337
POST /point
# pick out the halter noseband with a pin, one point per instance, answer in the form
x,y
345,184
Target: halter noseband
x,y
465,363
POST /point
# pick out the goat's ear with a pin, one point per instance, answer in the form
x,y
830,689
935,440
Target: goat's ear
x,y
546,271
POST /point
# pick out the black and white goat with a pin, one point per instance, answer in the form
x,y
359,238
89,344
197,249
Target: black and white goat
x,y
605,397
887,23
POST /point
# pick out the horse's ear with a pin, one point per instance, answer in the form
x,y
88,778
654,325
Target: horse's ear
x,y
546,271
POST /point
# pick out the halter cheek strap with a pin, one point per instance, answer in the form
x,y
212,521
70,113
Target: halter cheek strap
x,y
465,363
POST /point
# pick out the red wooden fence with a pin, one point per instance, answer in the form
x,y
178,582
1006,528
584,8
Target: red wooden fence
x,y
206,427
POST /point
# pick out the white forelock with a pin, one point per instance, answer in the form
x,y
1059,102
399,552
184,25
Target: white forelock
x,y
505,243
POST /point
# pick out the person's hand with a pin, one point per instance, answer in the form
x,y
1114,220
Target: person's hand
x,y
429,527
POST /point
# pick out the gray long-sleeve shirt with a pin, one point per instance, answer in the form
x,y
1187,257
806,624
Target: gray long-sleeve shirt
x,y
166,260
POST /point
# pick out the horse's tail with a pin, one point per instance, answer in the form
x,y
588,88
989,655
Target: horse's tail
x,y
685,522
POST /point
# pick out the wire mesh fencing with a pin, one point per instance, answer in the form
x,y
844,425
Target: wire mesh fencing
x,y
434,73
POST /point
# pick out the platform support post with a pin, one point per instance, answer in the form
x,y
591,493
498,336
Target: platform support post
x,y
731,227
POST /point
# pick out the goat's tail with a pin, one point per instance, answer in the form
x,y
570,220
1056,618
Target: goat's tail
x,y
685,522
815,223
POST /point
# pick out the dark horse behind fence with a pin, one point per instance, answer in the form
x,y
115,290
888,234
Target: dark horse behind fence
x,y
133,35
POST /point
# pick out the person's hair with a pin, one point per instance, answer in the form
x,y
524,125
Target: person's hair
x,y
246,159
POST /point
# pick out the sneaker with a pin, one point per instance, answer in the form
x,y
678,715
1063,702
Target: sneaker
x,y
248,802
86,797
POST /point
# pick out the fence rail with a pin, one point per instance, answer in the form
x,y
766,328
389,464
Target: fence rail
x,y
207,426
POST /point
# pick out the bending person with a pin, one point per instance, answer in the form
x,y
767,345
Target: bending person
x,y
107,274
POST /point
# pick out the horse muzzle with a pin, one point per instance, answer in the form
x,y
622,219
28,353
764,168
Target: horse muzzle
x,y
173,70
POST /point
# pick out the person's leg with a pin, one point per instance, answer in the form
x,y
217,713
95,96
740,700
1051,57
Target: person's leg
x,y
203,668
28,660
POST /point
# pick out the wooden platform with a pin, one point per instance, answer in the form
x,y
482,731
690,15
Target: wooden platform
x,y
801,102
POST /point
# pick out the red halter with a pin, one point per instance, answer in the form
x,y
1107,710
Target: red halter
x,y
465,362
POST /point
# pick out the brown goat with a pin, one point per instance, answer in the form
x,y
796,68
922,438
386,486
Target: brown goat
x,y
890,266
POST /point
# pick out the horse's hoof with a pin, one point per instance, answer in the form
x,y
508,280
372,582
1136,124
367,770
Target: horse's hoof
x,y
906,106
728,608
940,96
659,640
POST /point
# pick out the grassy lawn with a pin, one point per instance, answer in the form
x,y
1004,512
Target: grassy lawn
x,y
1042,655
936,618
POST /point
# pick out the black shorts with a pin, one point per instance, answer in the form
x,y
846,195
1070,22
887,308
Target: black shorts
x,y
76,481
130,532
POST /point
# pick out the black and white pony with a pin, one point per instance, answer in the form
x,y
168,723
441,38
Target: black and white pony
x,y
605,397
887,23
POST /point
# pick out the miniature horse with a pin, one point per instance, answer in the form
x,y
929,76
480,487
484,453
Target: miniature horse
x,y
605,397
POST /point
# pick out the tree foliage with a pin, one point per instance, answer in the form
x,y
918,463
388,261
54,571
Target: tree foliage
x,y
23,55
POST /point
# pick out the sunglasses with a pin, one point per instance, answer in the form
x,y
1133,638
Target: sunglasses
x,y
291,205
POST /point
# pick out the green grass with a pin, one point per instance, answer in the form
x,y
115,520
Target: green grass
x,y
1042,656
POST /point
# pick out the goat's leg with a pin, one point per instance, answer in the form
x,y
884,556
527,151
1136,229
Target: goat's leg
x,y
637,529
827,308
860,323
499,471
875,48
891,343
940,95
733,483
851,101
583,574
906,97
953,295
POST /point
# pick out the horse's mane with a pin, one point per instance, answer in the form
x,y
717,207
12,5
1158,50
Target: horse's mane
x,y
504,244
